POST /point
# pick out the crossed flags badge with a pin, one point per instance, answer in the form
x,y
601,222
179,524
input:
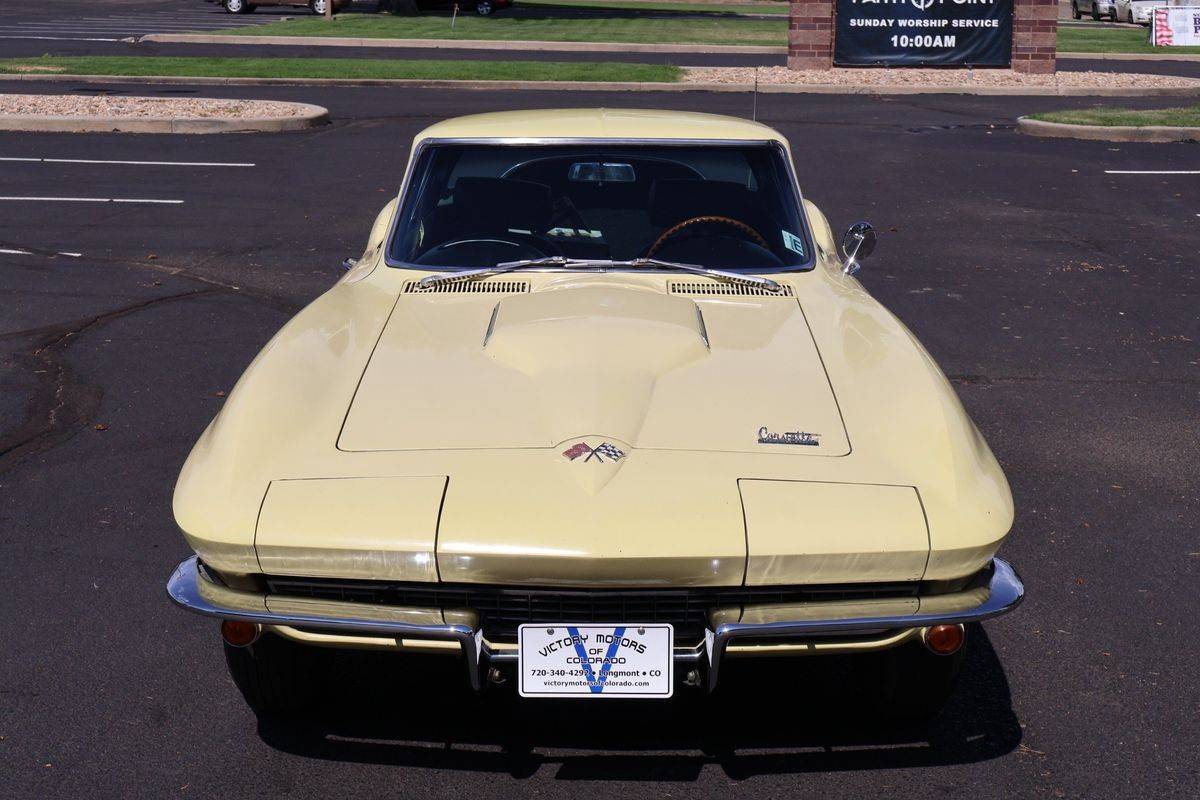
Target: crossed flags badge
x,y
606,450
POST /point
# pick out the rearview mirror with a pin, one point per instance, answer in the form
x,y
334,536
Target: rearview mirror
x,y
597,172
858,242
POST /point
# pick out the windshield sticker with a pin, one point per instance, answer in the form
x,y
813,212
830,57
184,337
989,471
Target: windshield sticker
x,y
569,232
793,242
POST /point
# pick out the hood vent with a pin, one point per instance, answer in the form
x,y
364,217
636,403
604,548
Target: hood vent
x,y
714,289
468,287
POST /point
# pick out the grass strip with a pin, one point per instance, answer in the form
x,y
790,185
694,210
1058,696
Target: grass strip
x,y
1188,117
776,8
342,68
1112,40
558,29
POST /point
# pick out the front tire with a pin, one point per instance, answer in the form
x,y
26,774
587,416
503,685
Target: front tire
x,y
236,6
914,684
1075,11
1095,11
275,675
484,8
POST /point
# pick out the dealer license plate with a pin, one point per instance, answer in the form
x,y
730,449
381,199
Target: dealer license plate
x,y
596,660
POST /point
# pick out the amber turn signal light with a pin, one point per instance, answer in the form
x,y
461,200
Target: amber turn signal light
x,y
240,634
945,640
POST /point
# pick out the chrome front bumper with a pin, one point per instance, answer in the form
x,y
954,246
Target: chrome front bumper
x,y
995,590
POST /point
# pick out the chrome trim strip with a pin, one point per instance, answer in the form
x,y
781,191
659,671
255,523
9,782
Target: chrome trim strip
x,y
224,603
1005,592
703,327
487,336
420,147
191,587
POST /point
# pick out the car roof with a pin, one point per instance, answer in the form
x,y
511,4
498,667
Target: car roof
x,y
599,123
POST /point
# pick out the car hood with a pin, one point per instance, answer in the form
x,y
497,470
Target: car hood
x,y
392,433
697,366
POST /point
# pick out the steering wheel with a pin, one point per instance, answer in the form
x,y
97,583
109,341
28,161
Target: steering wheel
x,y
741,228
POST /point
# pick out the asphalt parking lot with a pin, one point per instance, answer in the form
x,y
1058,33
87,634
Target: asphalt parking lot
x,y
1053,281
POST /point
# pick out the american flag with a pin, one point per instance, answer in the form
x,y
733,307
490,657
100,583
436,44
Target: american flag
x,y
1162,28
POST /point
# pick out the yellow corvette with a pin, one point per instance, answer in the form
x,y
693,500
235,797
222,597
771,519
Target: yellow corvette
x,y
598,408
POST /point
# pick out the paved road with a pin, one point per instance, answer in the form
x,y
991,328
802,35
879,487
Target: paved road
x,y
33,47
72,20
1061,299
79,27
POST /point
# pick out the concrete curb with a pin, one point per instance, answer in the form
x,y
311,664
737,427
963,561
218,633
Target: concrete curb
x,y
622,86
559,47
1131,56
312,117
1107,133
461,44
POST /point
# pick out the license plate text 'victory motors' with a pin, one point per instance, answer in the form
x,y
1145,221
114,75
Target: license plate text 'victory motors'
x,y
596,661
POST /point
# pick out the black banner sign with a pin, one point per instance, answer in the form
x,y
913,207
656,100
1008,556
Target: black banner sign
x,y
912,33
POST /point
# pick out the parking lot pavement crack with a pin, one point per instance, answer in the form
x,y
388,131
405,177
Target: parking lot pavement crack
x,y
60,403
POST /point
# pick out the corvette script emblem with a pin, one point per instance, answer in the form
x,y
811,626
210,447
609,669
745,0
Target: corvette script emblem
x,y
604,451
767,436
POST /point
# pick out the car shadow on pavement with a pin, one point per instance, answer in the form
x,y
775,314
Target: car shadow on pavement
x,y
770,716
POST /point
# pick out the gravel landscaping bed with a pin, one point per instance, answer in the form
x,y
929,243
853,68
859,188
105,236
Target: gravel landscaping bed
x,y
145,107
891,78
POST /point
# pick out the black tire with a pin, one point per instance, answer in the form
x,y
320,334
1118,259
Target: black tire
x,y
914,684
1075,11
1095,11
484,8
236,6
277,676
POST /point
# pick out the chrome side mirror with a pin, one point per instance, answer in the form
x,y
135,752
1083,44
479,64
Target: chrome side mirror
x,y
858,242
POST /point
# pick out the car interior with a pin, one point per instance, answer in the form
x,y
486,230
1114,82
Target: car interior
x,y
730,209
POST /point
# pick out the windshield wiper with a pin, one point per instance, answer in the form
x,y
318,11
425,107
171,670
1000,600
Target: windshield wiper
x,y
508,266
696,269
597,263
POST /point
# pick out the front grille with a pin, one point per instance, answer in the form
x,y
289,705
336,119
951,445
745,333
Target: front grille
x,y
502,609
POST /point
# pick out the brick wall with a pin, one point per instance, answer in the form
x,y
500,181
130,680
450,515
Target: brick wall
x,y
1035,30
810,34
1035,34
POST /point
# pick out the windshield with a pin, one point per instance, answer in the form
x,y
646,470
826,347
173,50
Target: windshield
x,y
721,206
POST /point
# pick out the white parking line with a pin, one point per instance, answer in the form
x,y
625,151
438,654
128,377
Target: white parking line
x,y
92,200
122,33
228,18
61,38
140,23
5,250
111,28
1152,172
225,19
138,163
